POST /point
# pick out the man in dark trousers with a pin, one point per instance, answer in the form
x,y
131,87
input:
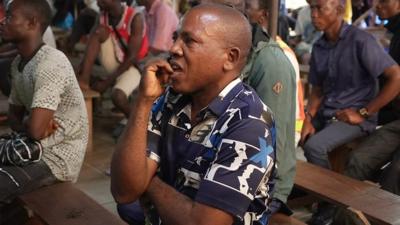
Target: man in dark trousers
x,y
345,65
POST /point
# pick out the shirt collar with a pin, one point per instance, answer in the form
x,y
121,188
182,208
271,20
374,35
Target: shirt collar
x,y
323,42
217,106
225,97
154,6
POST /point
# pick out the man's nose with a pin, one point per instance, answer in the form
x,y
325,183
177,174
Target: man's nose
x,y
176,49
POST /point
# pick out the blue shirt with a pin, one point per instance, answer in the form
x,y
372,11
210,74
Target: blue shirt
x,y
347,71
226,160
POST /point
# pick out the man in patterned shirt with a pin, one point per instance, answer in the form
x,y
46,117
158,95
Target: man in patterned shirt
x,y
45,102
209,135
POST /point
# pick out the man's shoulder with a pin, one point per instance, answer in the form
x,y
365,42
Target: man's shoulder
x,y
356,34
250,106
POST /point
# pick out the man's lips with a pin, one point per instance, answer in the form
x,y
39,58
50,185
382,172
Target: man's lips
x,y
176,67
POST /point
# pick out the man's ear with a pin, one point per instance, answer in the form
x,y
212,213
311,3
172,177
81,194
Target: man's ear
x,y
233,57
340,10
33,23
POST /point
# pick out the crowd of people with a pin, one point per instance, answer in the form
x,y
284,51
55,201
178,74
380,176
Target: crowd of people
x,y
211,130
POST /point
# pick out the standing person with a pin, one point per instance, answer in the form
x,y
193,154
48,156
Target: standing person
x,y
120,41
344,101
209,136
162,22
46,92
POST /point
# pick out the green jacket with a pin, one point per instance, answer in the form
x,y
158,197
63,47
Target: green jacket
x,y
273,77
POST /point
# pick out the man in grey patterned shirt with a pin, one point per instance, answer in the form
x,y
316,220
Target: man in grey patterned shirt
x,y
45,102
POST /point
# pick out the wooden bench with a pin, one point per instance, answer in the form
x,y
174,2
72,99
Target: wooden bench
x,y
64,204
89,95
377,205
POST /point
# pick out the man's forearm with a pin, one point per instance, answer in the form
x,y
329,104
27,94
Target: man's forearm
x,y
173,207
314,101
387,94
129,167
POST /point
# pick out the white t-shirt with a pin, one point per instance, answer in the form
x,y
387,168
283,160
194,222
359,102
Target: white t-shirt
x,y
48,81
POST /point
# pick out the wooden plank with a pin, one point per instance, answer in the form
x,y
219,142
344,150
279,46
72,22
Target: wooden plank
x,y
282,219
63,204
378,205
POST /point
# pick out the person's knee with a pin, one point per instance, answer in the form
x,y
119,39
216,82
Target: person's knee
x,y
119,97
356,166
314,149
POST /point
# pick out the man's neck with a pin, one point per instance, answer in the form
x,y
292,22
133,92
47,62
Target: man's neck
x,y
333,32
115,13
28,49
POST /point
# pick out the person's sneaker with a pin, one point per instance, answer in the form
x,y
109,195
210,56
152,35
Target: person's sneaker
x,y
323,216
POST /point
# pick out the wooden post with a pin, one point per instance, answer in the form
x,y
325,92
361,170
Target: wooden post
x,y
89,95
273,17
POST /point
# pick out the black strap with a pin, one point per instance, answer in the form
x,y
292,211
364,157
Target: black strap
x,y
121,42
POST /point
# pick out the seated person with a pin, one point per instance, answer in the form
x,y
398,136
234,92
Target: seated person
x,y
344,101
120,41
198,134
306,33
45,103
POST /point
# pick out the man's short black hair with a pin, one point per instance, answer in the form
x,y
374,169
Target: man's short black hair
x,y
40,9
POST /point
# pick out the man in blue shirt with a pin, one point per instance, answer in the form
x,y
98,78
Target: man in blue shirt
x,y
209,135
345,65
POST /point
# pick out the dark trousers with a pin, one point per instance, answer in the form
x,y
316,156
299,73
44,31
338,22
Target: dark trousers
x,y
380,148
366,162
329,135
16,180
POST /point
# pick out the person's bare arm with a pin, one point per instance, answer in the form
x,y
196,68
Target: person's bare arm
x,y
15,117
175,208
314,103
389,91
41,123
131,170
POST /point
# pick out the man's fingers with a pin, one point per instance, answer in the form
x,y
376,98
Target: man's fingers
x,y
159,66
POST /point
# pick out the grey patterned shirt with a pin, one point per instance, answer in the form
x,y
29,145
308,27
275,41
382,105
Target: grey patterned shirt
x,y
48,81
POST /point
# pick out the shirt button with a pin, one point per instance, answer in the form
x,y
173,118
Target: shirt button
x,y
187,136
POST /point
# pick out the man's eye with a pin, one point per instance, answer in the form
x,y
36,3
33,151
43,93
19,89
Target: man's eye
x,y
188,40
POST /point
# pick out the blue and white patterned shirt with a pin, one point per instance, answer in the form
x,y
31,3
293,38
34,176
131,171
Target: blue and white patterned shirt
x,y
226,160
